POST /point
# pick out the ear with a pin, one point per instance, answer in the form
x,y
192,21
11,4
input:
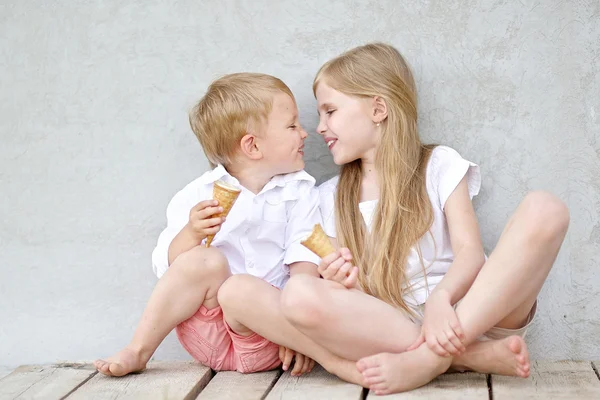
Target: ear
x,y
249,148
379,109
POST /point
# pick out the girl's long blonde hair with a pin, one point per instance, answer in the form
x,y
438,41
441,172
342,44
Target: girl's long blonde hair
x,y
404,212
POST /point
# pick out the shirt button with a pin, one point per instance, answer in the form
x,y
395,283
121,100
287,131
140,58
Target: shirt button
x,y
250,265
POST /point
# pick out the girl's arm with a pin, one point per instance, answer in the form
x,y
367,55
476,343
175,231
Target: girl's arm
x,y
466,245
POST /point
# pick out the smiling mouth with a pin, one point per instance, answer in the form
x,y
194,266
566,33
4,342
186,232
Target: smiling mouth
x,y
331,143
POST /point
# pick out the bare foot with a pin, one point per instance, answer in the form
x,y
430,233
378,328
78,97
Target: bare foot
x,y
502,357
386,373
124,362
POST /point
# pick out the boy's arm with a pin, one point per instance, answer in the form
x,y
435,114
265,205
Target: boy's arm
x,y
185,240
302,218
304,267
178,236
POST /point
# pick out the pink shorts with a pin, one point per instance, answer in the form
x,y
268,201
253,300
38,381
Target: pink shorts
x,y
208,338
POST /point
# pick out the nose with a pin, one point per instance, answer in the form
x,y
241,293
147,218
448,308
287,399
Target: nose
x,y
321,128
303,133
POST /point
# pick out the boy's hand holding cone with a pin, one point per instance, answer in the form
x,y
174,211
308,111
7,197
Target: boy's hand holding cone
x,y
334,265
226,195
207,216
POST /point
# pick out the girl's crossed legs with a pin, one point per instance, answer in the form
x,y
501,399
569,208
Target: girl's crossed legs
x,y
351,323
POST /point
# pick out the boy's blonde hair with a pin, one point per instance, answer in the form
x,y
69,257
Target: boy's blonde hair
x,y
404,212
234,105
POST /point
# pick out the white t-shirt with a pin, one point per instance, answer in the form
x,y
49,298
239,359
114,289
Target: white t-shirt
x,y
445,169
262,233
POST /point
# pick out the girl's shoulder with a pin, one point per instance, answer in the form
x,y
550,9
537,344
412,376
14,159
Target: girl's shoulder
x,y
329,187
445,169
441,154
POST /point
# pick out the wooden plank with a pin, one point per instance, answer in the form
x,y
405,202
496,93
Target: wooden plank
x,y
44,382
550,380
319,384
162,380
468,386
235,386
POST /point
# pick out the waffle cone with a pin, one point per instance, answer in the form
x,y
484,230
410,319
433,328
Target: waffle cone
x,y
318,242
226,195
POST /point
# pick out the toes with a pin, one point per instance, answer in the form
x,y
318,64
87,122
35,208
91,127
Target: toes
x,y
380,388
368,362
116,369
104,369
371,372
374,380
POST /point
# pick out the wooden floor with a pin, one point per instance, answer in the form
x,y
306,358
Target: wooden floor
x,y
183,380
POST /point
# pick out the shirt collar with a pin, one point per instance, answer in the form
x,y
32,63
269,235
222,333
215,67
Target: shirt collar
x,y
220,173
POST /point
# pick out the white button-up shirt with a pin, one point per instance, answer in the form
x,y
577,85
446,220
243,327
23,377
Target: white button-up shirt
x,y
262,233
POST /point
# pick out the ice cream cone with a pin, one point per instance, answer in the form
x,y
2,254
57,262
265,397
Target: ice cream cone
x,y
226,194
318,242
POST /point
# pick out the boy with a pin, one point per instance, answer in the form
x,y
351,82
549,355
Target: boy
x,y
248,127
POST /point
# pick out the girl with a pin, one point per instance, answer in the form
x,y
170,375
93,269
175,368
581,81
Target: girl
x,y
422,297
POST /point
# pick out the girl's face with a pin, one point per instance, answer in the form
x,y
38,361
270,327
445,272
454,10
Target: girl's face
x,y
347,125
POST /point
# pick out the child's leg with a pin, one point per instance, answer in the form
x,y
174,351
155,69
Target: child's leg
x,y
251,305
502,295
191,281
354,325
348,323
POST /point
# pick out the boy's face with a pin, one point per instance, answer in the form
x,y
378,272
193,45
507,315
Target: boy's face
x,y
282,141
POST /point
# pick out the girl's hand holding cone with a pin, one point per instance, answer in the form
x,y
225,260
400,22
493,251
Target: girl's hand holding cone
x,y
338,267
335,265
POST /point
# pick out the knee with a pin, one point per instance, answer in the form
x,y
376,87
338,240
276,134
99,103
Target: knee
x,y
202,263
548,216
300,302
236,289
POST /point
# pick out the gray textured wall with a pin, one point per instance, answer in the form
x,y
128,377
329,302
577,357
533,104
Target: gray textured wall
x,y
95,140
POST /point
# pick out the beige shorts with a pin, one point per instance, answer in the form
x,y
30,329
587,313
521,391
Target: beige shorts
x,y
495,333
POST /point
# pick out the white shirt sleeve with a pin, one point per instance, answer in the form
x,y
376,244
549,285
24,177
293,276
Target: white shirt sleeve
x,y
304,215
446,169
327,205
178,213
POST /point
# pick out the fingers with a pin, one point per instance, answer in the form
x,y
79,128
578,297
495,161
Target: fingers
x,y
325,261
447,343
352,279
282,353
298,364
306,366
343,272
435,346
457,328
329,270
287,359
207,213
455,335
302,365
455,341
345,253
311,364
204,204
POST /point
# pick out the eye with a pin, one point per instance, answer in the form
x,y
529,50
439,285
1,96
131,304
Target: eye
x,y
293,126
329,112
